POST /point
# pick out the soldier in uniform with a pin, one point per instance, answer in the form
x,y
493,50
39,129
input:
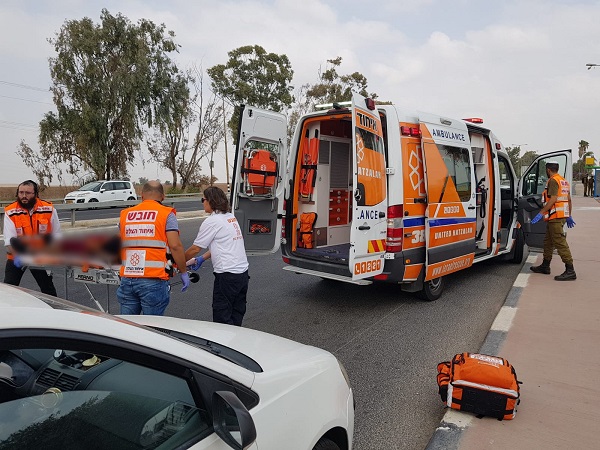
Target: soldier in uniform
x,y
556,212
590,186
584,181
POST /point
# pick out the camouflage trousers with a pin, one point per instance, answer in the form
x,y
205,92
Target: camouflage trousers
x,y
556,239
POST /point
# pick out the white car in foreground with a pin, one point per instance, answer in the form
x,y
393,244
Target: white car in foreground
x,y
103,191
72,377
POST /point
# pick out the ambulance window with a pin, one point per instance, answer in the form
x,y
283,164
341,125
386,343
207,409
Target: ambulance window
x,y
535,179
459,169
505,174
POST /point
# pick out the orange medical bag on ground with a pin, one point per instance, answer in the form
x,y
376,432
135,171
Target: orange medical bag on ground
x,y
305,234
482,384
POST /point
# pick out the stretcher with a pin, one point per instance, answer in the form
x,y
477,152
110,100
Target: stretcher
x,y
84,271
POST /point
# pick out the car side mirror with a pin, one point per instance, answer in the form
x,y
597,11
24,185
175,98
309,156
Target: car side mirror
x,y
102,190
231,420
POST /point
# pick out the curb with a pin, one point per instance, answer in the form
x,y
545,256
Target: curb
x,y
454,423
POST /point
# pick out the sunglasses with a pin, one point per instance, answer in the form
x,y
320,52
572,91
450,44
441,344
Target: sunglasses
x,y
202,199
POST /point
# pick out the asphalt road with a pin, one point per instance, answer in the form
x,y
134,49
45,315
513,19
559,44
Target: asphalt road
x,y
389,341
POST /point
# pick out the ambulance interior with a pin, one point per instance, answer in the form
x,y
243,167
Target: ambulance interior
x,y
323,190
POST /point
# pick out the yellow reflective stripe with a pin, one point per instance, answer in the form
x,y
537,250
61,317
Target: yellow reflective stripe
x,y
150,243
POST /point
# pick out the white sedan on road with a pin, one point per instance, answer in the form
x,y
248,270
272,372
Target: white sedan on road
x,y
72,377
103,191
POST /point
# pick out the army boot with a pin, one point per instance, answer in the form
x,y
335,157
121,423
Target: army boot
x,y
568,274
544,267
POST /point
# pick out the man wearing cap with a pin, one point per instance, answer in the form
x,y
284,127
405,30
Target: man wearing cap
x,y
556,212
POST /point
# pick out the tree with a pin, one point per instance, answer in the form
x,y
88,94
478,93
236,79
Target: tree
x,y
253,76
514,154
330,87
142,180
110,81
171,137
583,146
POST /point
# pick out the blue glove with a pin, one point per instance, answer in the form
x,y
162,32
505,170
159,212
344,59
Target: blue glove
x,y
570,222
17,262
537,218
185,280
196,265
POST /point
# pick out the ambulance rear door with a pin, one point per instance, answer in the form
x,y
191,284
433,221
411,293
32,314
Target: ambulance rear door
x,y
450,221
531,187
258,178
369,223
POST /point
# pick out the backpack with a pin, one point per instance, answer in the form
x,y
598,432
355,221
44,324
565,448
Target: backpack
x,y
305,234
482,384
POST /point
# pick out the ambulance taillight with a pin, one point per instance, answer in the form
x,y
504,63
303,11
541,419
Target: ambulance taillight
x,y
410,131
395,231
370,103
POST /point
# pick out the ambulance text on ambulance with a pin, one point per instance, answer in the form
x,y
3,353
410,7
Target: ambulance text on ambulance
x,y
452,233
448,135
450,267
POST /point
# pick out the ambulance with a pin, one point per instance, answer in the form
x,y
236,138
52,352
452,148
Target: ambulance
x,y
370,192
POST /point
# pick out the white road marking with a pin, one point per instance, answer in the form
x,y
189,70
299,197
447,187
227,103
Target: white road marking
x,y
521,280
503,320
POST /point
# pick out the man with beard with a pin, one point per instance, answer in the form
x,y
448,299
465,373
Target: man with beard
x,y
25,220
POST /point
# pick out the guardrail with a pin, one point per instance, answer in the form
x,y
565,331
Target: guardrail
x,y
73,207
60,201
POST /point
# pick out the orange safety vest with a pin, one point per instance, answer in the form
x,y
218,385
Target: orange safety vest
x,y
37,222
560,209
144,240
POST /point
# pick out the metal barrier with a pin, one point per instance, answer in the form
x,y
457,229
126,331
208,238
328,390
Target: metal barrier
x,y
73,207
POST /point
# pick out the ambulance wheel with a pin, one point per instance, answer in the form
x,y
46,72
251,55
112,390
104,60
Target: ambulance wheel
x,y
432,289
519,248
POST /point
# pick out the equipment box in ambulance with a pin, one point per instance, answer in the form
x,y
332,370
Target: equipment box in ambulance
x,y
372,192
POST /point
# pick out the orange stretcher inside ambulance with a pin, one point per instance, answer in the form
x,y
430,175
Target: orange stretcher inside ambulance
x,y
373,193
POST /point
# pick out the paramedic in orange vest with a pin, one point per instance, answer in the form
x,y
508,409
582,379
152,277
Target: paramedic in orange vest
x,y
220,233
28,217
556,212
148,232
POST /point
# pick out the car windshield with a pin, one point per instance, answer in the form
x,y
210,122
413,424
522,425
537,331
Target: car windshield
x,y
94,186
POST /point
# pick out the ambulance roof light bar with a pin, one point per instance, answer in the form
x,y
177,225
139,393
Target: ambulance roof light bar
x,y
474,120
334,105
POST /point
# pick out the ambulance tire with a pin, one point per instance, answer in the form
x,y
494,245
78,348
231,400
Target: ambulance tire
x,y
432,289
516,255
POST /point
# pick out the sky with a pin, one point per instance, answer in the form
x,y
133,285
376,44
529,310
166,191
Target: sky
x,y
519,65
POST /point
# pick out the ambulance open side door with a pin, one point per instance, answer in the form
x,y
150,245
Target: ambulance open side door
x,y
369,223
258,175
450,215
531,187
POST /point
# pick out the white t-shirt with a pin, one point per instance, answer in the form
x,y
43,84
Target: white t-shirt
x,y
221,234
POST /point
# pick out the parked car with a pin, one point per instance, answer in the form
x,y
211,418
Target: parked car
x,y
103,191
71,376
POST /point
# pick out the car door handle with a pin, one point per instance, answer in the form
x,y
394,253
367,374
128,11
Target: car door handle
x,y
364,227
472,207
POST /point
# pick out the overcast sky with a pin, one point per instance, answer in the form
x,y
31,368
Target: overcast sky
x,y
520,65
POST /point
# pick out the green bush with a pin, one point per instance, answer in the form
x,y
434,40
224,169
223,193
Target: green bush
x,y
174,191
193,189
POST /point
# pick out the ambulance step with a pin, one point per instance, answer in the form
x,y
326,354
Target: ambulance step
x,y
329,276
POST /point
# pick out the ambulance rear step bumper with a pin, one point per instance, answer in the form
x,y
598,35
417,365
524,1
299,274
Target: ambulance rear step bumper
x,y
330,276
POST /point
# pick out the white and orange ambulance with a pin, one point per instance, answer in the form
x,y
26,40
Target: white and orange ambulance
x,y
384,194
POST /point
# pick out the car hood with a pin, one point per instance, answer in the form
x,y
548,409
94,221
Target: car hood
x,y
269,351
74,193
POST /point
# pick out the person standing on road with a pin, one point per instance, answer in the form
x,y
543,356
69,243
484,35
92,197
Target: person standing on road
x,y
220,233
149,231
556,212
29,217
